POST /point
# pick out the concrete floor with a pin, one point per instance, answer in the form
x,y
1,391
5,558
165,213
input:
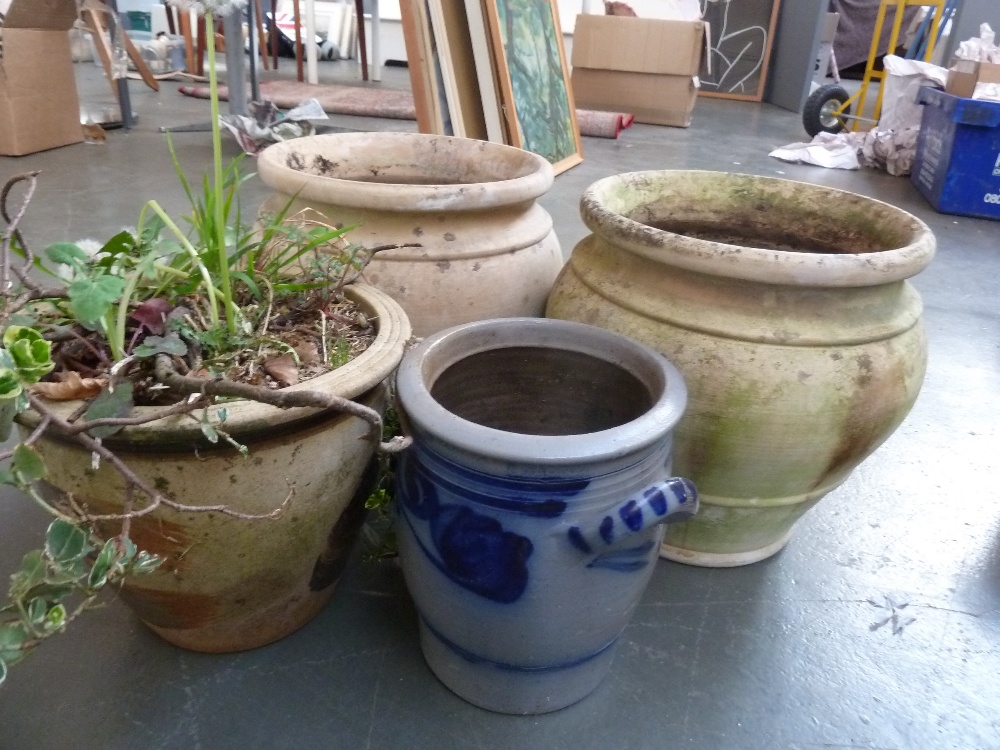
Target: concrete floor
x,y
782,654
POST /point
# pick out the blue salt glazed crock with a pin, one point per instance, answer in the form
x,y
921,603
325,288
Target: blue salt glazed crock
x,y
532,501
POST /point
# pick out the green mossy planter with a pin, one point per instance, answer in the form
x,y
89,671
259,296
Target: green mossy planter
x,y
786,308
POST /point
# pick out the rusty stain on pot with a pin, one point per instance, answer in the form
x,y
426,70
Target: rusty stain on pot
x,y
449,237
154,535
171,609
418,232
443,265
295,161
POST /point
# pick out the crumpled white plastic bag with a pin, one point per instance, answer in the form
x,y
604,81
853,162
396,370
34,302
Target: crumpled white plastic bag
x,y
892,144
982,48
830,150
268,125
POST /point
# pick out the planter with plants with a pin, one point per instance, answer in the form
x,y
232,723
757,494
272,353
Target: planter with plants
x,y
189,411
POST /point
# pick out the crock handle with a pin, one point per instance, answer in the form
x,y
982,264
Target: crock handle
x,y
670,500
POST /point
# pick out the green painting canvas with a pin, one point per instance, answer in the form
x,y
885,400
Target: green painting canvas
x,y
531,45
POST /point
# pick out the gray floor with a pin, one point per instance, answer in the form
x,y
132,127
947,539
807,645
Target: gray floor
x,y
782,654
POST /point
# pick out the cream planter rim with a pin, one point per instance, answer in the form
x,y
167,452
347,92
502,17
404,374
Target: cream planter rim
x,y
358,376
536,178
604,211
428,360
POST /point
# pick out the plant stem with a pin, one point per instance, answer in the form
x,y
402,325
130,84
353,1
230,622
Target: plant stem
x,y
116,336
220,225
189,248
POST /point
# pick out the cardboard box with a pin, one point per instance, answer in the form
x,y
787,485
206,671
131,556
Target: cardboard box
x,y
652,98
957,166
643,66
638,45
39,108
965,74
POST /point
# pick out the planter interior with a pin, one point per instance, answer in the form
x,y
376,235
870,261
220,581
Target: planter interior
x,y
534,391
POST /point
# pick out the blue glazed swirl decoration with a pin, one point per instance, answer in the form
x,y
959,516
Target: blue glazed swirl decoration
x,y
472,549
480,555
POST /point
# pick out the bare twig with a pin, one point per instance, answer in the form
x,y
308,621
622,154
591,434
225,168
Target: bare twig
x,y
182,407
128,505
156,498
282,399
11,230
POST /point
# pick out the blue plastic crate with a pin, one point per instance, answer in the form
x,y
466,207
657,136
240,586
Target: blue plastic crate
x,y
957,167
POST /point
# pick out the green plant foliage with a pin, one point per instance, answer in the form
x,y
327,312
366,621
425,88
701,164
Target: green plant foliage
x,y
378,533
91,298
10,384
27,465
30,353
67,254
57,583
153,345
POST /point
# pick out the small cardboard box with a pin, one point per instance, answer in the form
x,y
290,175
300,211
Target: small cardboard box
x,y
39,108
965,74
957,166
644,66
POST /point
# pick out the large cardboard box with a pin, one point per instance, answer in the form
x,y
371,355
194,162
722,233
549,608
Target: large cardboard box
x,y
645,66
957,167
39,108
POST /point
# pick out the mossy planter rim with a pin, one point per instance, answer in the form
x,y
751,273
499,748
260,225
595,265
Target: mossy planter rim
x,y
606,207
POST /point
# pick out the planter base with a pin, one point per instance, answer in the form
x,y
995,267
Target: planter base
x,y
723,559
257,629
509,688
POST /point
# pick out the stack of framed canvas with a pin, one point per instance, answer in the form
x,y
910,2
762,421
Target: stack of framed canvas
x,y
493,70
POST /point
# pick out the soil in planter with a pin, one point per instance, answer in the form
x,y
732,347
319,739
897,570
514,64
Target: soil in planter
x,y
291,349
771,237
536,391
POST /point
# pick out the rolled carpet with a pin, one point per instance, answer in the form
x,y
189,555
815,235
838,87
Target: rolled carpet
x,y
389,103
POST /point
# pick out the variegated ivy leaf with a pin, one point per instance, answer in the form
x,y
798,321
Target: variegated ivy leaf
x,y
31,354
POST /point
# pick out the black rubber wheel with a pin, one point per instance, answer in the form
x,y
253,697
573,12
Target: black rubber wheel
x,y
818,115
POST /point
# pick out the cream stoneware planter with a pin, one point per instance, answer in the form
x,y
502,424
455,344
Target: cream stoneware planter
x,y
487,249
231,584
786,308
